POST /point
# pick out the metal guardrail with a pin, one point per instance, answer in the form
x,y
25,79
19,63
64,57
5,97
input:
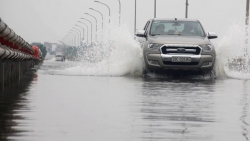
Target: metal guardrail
x,y
16,56
13,46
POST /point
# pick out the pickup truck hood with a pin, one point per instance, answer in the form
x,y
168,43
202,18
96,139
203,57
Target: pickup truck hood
x,y
166,39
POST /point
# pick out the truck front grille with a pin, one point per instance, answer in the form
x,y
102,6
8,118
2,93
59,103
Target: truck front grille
x,y
177,50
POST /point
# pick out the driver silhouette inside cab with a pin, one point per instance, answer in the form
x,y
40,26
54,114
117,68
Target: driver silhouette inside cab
x,y
159,29
188,29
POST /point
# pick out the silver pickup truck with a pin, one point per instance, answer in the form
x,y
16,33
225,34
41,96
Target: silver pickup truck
x,y
177,44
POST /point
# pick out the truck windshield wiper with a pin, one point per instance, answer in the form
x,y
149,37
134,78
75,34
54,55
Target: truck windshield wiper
x,y
155,34
174,34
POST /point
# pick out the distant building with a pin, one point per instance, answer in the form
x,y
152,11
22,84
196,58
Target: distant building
x,y
53,48
48,46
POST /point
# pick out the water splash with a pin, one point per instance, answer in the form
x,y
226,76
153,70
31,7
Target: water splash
x,y
232,58
118,54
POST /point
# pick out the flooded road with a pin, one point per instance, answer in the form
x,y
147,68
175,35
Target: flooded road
x,y
51,105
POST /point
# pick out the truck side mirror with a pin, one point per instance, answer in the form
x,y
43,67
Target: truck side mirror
x,y
212,35
140,33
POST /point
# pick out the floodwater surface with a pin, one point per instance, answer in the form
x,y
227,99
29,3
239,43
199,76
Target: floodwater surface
x,y
48,105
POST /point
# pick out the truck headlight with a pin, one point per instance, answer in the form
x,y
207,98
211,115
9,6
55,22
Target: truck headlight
x,y
206,47
154,46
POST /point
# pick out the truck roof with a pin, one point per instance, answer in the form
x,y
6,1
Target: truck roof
x,y
173,19
59,53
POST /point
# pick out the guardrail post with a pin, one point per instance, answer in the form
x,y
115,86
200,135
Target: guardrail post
x,y
19,70
1,75
8,71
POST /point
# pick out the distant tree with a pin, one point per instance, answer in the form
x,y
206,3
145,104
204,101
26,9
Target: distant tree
x,y
41,47
52,53
71,52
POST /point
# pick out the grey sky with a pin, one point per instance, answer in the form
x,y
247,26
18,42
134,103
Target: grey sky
x,y
51,20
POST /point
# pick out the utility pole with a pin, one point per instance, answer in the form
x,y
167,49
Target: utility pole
x,y
155,8
247,24
186,9
135,22
119,13
247,13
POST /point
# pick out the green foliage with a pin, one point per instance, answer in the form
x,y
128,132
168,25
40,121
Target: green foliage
x,y
52,53
41,47
71,52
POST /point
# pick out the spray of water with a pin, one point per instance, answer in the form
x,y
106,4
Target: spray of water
x,y
118,54
232,58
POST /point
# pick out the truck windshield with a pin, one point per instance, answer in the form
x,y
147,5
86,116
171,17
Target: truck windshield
x,y
181,28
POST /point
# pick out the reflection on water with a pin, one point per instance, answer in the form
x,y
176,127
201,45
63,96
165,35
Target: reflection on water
x,y
13,102
177,110
245,111
93,108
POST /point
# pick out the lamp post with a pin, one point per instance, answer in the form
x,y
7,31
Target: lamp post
x,y
90,28
186,9
76,34
102,18
119,12
82,30
107,6
65,39
79,34
87,30
95,27
74,37
62,43
70,40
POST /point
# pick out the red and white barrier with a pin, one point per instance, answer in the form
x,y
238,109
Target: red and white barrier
x,y
13,46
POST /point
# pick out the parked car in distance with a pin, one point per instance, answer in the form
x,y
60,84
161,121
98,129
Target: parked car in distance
x,y
177,44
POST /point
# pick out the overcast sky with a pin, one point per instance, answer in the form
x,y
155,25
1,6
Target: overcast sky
x,y
51,20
